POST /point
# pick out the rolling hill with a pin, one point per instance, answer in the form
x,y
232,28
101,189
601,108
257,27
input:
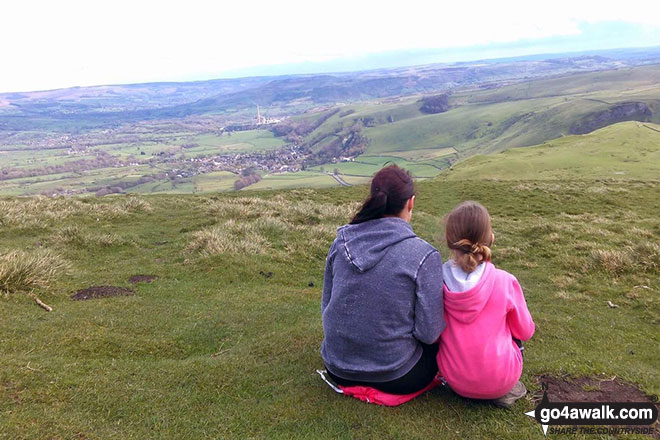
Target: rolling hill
x,y
214,329
627,150
87,108
517,115
173,137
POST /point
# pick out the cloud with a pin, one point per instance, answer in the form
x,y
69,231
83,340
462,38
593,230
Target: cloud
x,y
65,43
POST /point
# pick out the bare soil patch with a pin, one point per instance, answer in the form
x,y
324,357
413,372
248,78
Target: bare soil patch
x,y
101,292
592,389
142,279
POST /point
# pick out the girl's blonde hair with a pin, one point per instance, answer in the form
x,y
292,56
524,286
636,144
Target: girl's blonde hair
x,y
469,235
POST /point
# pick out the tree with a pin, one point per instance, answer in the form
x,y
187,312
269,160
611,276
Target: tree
x,y
435,104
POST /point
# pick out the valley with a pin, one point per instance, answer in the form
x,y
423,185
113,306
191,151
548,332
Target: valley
x,y
308,131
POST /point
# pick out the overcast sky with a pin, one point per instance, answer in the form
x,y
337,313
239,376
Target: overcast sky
x,y
53,44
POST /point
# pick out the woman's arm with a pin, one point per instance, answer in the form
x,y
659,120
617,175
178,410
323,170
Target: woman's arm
x,y
327,277
429,317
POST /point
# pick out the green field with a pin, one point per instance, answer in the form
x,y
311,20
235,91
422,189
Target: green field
x,y
294,180
241,141
367,166
487,121
218,348
628,150
139,147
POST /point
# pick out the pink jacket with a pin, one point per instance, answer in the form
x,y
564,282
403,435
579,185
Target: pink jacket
x,y
477,355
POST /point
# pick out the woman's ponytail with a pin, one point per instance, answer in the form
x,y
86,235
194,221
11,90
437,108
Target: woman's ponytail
x,y
391,188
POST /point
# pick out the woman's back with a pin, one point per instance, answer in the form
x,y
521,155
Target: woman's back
x,y
382,294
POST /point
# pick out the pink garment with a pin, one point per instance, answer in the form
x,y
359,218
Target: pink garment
x,y
478,357
377,397
372,395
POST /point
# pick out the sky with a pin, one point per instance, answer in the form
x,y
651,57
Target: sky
x,y
66,43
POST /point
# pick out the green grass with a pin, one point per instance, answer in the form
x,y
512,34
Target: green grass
x,y
489,121
636,82
306,179
367,166
241,141
151,144
628,150
213,349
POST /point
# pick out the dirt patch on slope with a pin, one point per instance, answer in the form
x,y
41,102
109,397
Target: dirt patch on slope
x,y
591,389
142,279
594,389
101,292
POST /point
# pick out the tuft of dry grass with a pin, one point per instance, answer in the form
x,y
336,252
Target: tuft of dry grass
x,y
229,237
40,212
135,204
613,261
643,257
570,295
289,211
74,235
507,252
647,256
563,281
250,225
23,271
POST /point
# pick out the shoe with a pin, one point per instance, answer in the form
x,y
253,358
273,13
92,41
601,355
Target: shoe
x,y
518,391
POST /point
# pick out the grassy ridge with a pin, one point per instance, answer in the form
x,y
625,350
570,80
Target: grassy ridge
x,y
224,344
486,121
628,150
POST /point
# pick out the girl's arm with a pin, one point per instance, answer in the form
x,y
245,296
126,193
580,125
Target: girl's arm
x,y
429,317
518,317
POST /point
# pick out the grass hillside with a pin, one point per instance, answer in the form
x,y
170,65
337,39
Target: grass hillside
x,y
628,150
492,120
224,343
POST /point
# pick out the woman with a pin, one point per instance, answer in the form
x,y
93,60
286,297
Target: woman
x,y
382,294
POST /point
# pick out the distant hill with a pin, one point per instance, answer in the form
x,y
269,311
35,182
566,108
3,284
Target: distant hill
x,y
103,106
193,137
490,120
628,150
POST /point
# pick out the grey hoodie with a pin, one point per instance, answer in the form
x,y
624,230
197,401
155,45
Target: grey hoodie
x,y
382,296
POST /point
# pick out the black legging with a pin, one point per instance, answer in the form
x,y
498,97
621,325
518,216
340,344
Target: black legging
x,y
416,379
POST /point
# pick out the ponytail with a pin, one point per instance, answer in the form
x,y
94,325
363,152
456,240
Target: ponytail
x,y
469,235
469,255
391,188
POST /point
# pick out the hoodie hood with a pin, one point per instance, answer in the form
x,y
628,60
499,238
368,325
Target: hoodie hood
x,y
466,306
368,242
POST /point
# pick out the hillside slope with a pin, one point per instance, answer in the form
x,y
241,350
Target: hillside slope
x,y
225,342
523,114
628,150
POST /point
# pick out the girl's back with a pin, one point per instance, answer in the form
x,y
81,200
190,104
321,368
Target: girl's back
x,y
484,309
477,355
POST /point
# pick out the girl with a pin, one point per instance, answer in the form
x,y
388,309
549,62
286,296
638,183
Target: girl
x,y
485,311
